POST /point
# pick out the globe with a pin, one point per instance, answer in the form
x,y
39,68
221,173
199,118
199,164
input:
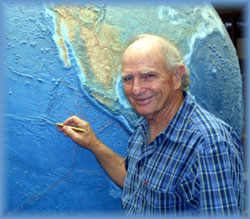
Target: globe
x,y
63,59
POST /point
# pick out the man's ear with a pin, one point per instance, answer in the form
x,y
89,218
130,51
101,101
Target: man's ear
x,y
178,74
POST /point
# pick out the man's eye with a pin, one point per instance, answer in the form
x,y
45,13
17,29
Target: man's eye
x,y
127,78
148,76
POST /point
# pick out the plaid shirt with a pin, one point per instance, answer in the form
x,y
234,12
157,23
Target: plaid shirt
x,y
194,167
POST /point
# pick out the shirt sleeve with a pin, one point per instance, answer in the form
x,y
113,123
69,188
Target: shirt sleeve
x,y
214,184
220,175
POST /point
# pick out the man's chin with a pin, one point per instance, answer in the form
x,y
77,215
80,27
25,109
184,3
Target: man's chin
x,y
144,112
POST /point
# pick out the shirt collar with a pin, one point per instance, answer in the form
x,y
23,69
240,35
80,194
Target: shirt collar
x,y
180,120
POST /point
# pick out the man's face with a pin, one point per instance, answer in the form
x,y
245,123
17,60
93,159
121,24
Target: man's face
x,y
148,85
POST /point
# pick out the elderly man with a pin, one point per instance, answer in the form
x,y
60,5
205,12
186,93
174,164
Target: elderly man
x,y
180,160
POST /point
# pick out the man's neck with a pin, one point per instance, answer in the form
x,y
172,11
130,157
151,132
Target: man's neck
x,y
159,122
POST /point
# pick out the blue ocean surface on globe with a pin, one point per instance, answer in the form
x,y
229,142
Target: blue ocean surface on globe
x,y
63,60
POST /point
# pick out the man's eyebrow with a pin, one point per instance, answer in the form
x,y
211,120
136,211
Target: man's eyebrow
x,y
124,74
148,71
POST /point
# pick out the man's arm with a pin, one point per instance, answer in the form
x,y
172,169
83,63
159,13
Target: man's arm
x,y
112,163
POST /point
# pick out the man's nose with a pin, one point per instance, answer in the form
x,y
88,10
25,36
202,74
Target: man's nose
x,y
138,87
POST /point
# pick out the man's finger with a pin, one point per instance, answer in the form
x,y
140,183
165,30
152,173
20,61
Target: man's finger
x,y
74,121
70,132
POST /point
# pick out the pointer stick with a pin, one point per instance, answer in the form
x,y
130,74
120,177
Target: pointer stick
x,y
74,128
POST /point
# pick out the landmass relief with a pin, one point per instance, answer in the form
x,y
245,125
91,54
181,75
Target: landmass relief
x,y
96,46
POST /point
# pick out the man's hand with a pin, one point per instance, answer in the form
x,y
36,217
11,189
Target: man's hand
x,y
112,163
85,139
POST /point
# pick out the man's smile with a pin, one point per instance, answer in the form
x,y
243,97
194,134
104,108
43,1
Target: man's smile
x,y
142,101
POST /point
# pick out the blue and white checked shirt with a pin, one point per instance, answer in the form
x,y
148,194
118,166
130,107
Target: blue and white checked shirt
x,y
194,167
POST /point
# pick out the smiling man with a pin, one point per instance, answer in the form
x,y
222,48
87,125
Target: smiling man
x,y
151,88
180,160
